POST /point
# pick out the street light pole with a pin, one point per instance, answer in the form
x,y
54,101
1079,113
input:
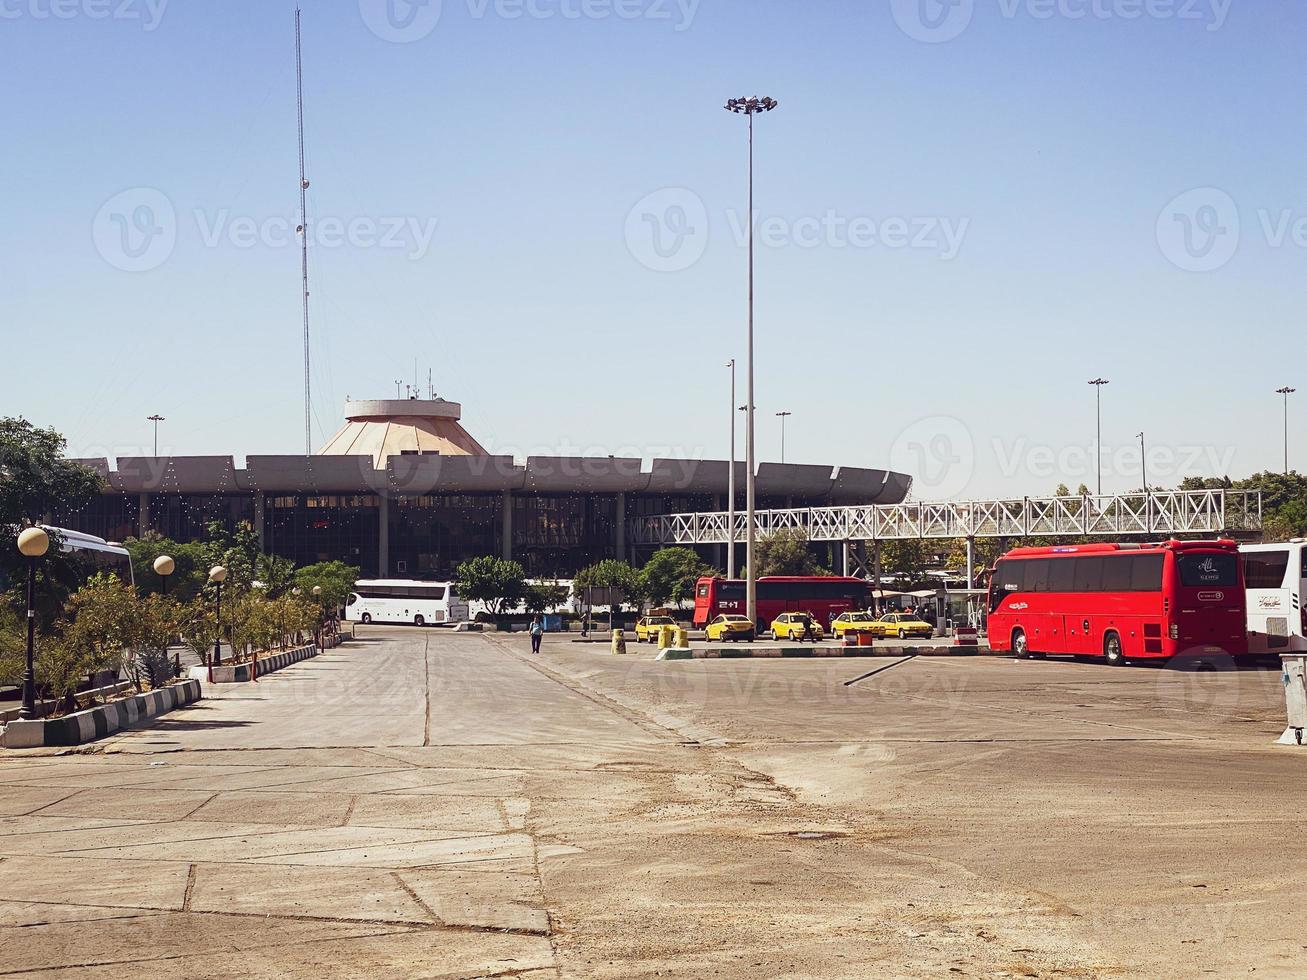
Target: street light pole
x,y
216,575
1098,444
32,544
783,416
1286,391
1148,500
750,107
163,567
730,486
156,419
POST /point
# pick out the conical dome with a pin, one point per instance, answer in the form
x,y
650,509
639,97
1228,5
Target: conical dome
x,y
402,427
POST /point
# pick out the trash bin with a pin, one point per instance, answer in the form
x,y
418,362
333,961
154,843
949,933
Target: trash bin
x,y
666,637
619,641
1295,697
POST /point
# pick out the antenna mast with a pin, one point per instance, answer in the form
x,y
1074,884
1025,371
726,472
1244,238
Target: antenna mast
x,y
304,231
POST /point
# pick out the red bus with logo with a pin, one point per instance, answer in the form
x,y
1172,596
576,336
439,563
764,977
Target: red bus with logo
x,y
1121,602
825,597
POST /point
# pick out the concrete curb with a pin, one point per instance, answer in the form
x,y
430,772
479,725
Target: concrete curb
x,y
235,674
96,723
778,653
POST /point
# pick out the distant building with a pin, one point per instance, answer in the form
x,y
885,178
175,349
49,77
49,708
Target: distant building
x,y
404,490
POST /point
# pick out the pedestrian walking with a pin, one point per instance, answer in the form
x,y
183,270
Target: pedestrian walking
x,y
537,634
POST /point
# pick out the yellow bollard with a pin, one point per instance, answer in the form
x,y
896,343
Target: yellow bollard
x,y
619,641
681,638
666,637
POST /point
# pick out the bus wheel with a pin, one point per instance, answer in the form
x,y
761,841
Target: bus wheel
x,y
1020,646
1112,650
365,618
419,621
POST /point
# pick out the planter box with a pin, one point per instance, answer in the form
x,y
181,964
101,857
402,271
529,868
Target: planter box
x,y
239,673
96,723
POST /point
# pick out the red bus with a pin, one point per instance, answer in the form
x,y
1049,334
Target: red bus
x,y
1119,601
825,597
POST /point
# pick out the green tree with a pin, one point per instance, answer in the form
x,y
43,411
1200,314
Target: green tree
x,y
671,575
498,582
38,480
334,578
539,597
189,576
620,580
786,552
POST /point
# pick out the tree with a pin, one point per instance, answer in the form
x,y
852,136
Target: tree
x,y
498,582
189,576
102,632
334,578
540,597
38,480
621,581
671,575
158,620
786,552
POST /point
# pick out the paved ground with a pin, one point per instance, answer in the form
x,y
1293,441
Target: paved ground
x,y
423,803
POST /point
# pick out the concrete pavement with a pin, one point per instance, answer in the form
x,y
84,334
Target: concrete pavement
x,y
423,803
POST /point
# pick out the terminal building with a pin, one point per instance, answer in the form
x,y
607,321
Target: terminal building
x,y
404,491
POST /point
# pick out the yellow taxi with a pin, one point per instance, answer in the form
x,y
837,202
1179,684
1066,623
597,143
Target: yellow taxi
x,y
796,626
902,626
729,627
853,622
646,627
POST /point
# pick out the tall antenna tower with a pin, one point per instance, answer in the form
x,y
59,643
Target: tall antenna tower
x,y
304,232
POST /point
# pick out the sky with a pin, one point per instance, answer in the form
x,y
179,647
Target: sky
x,y
964,211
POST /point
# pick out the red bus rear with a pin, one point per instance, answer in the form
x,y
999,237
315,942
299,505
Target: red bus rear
x,y
825,597
1119,601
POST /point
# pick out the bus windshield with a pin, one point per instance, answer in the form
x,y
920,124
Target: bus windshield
x,y
1199,570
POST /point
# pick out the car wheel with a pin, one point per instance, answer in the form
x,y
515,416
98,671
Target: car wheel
x,y
903,634
365,618
1112,650
419,621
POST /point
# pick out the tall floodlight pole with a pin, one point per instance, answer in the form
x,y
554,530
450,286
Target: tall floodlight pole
x,y
783,416
304,231
750,107
1143,468
1286,391
730,486
156,419
1098,411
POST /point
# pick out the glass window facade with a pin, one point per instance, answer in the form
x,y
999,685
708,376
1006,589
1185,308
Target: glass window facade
x,y
183,517
430,536
112,516
310,528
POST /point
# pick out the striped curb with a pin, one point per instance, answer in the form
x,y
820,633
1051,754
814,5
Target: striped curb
x,y
238,673
778,653
96,723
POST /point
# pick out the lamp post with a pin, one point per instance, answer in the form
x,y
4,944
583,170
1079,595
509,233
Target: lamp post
x,y
1098,439
163,567
783,416
33,543
156,419
750,108
1286,391
1148,500
217,575
322,614
730,486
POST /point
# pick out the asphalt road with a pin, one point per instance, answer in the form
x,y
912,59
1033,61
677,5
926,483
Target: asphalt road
x,y
424,803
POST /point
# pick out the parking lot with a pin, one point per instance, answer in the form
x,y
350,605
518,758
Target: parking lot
x,y
423,802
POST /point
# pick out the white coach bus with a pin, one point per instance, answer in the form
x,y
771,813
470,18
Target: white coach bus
x,y
1273,576
397,600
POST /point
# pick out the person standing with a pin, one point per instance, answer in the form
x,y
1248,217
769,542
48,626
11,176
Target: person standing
x,y
537,634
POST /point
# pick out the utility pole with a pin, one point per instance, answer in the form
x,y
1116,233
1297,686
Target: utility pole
x,y
1098,444
783,416
156,419
730,486
1286,391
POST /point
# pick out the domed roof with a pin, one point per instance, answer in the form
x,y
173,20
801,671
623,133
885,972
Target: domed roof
x,y
402,427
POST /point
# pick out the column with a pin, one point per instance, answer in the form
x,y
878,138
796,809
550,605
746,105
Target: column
x,y
258,520
845,548
875,570
383,536
144,504
506,525
619,530
971,563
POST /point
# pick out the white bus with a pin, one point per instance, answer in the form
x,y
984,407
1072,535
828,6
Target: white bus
x,y
97,554
1273,575
397,600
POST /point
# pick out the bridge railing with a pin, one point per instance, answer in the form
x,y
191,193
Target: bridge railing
x,y
1157,513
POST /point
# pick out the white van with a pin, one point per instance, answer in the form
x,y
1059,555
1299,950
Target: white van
x,y
1273,575
397,600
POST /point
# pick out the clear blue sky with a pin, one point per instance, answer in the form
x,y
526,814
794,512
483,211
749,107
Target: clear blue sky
x,y
1052,145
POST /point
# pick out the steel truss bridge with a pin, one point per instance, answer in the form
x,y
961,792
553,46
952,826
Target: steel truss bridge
x,y
1156,514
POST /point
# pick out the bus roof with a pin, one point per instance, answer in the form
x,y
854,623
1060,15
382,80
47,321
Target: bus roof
x,y
1222,544
392,582
789,578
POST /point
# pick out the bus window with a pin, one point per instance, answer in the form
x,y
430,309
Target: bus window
x,y
1146,573
1198,570
1265,569
1061,576
1036,577
1116,573
1089,574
